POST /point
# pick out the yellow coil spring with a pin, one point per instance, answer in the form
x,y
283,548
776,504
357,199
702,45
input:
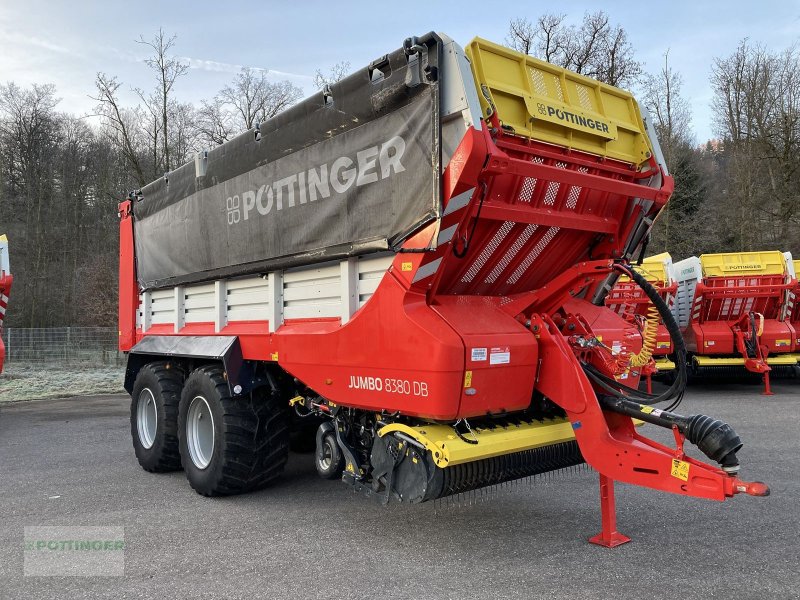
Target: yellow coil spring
x,y
649,334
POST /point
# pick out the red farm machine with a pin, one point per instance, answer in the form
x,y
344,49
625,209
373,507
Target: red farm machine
x,y
732,309
793,305
630,301
415,260
5,289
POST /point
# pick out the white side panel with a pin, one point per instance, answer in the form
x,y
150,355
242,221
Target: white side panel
x,y
144,311
5,267
370,273
199,303
312,292
687,273
335,289
179,308
248,299
787,256
220,304
162,306
275,315
790,298
460,107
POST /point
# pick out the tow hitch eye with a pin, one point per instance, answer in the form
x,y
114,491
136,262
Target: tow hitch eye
x,y
752,488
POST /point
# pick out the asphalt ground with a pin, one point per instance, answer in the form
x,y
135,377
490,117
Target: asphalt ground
x,y
70,463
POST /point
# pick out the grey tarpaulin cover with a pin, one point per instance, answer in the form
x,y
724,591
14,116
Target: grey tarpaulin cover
x,y
327,180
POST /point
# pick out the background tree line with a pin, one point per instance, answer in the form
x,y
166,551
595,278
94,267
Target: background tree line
x,y
62,175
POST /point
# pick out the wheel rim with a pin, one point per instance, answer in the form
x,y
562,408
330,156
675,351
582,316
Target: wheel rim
x,y
326,457
200,432
146,418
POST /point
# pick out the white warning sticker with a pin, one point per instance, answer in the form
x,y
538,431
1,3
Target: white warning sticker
x,y
478,354
500,356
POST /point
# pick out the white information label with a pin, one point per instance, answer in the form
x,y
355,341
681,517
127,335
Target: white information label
x,y
478,354
499,358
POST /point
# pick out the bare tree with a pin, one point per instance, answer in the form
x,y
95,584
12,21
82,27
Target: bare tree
x,y
336,73
678,227
757,116
214,123
249,99
253,98
522,35
168,69
662,97
596,48
29,130
184,137
119,126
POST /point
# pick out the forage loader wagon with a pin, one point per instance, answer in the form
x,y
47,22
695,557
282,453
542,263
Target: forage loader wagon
x,y
416,259
732,309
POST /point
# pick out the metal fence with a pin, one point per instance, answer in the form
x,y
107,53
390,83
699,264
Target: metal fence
x,y
89,346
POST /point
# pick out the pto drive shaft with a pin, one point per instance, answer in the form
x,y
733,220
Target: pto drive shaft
x,y
717,440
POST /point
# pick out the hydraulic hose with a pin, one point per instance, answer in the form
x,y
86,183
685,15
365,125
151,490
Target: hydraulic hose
x,y
649,335
674,394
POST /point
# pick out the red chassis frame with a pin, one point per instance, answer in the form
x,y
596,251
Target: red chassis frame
x,y
474,323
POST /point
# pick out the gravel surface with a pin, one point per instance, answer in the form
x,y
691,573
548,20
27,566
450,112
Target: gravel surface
x,y
70,463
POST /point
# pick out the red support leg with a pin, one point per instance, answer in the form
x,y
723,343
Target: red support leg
x,y
649,383
609,537
767,391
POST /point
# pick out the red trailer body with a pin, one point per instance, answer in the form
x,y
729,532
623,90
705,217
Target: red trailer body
x,y
465,349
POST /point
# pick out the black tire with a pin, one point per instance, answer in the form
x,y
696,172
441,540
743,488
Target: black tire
x,y
329,459
250,436
159,383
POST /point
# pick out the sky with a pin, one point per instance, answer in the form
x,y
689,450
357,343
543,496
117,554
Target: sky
x,y
66,42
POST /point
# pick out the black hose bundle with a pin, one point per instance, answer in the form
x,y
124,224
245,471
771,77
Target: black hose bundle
x,y
674,394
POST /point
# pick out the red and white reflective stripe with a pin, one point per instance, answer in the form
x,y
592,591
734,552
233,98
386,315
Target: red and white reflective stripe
x,y
453,213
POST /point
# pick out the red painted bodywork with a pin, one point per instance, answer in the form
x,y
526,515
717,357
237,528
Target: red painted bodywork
x,y
628,300
721,308
794,312
539,234
6,279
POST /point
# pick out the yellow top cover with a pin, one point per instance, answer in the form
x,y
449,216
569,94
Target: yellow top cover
x,y
751,263
551,104
653,268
